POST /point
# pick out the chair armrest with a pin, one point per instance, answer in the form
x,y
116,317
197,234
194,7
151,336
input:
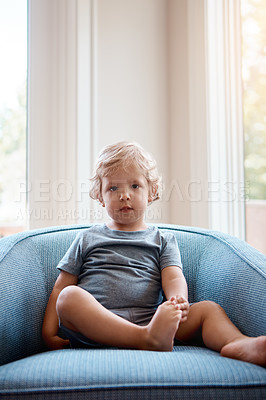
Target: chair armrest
x,y
233,274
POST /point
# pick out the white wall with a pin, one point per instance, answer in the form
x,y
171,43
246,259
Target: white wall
x,y
132,98
151,89
109,70
117,52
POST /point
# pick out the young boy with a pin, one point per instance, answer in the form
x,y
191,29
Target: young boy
x,y
109,290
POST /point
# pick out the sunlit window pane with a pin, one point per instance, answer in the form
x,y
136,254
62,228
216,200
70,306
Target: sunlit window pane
x,y
254,99
13,76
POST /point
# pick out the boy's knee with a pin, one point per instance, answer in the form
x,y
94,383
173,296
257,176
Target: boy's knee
x,y
209,306
65,298
209,303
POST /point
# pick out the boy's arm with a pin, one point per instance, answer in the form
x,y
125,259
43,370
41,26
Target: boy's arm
x,y
174,286
50,321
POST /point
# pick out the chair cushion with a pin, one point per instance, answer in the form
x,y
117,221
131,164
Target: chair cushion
x,y
186,373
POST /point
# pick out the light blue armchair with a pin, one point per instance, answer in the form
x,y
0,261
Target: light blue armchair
x,y
217,267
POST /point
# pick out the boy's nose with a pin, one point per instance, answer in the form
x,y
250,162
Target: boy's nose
x,y
124,196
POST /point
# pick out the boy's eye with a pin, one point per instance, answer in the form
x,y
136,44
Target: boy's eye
x,y
113,188
135,186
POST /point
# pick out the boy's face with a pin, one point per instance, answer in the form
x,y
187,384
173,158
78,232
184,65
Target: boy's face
x,y
125,194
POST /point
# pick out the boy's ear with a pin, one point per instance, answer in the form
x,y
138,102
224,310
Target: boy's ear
x,y
100,201
150,202
150,199
153,194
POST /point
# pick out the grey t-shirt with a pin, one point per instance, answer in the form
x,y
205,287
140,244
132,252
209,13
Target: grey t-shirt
x,y
122,269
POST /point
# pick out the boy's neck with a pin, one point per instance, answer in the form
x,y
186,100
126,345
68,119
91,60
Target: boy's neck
x,y
141,226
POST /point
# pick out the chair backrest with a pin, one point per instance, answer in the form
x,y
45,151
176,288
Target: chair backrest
x,y
217,267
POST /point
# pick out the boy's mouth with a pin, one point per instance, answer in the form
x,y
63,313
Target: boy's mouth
x,y
126,209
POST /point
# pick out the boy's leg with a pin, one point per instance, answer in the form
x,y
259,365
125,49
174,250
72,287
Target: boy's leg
x,y
80,311
220,334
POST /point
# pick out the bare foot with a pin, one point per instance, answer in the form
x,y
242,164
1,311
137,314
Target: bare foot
x,y
248,349
162,328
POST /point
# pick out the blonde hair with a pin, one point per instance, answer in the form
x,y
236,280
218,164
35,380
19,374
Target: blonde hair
x,y
124,154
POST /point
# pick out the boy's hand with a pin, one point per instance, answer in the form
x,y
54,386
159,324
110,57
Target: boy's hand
x,y
56,343
183,305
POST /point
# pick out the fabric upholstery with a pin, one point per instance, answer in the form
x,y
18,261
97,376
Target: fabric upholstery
x,y
217,267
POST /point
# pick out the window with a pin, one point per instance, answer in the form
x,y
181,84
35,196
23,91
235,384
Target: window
x,y
13,76
254,106
64,95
